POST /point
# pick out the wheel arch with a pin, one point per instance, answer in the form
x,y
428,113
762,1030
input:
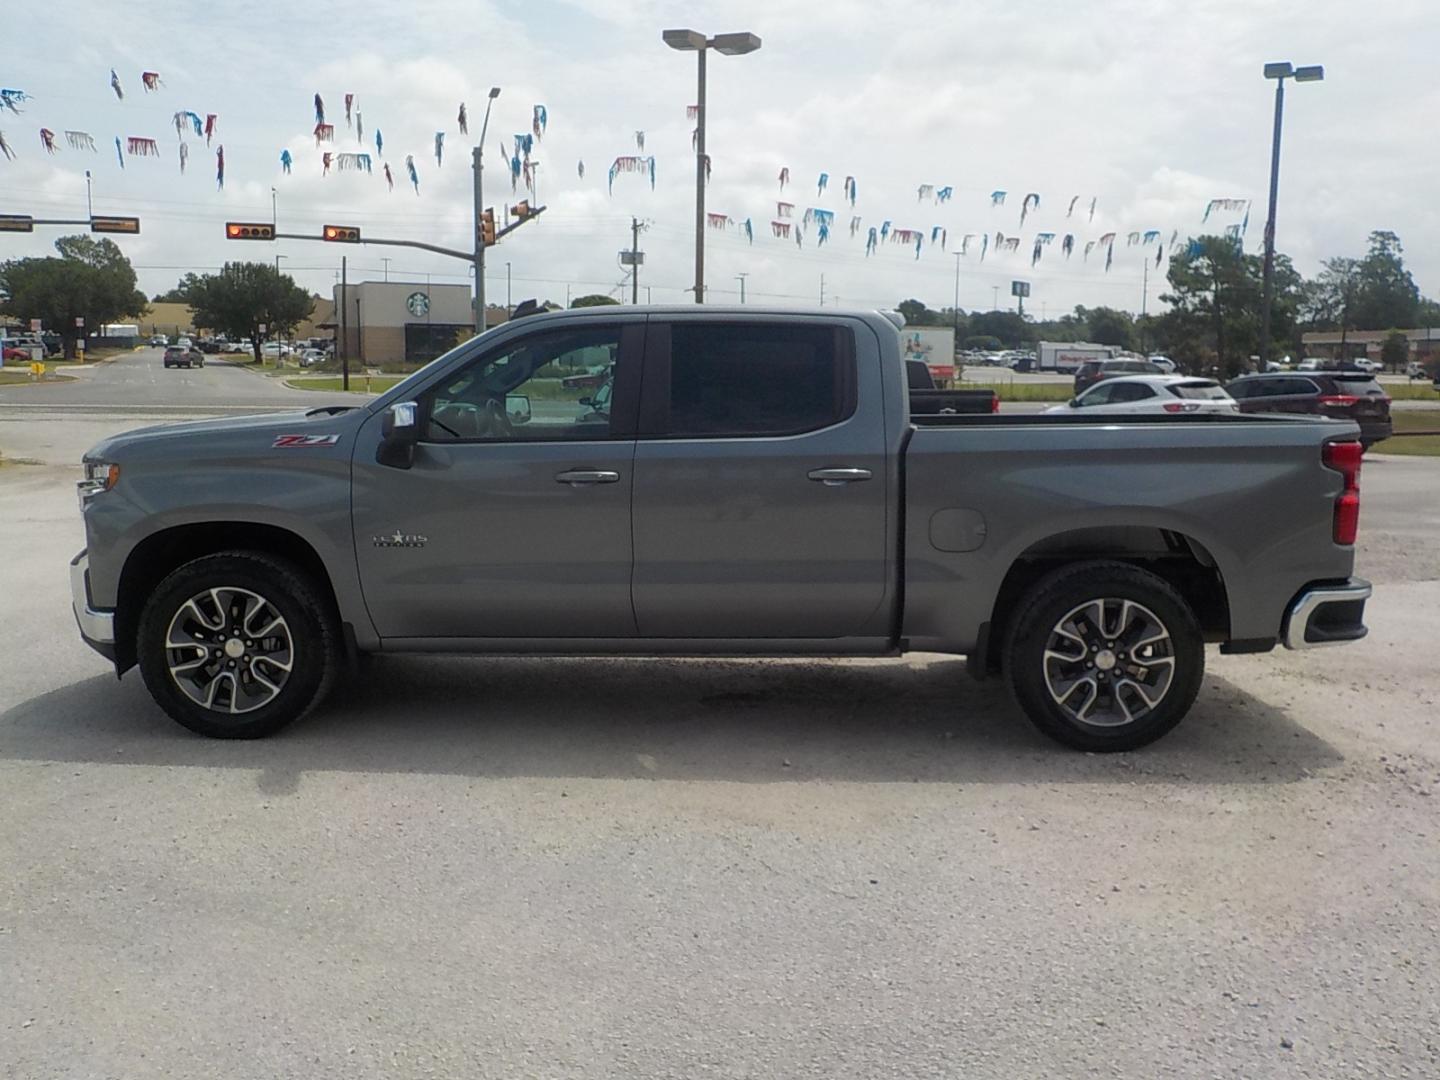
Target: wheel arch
x,y
161,552
1179,558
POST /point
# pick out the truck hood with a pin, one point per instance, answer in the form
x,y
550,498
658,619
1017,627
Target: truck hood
x,y
323,421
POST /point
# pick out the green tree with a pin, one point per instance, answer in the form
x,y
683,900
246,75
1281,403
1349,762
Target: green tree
x,y
242,297
917,314
1215,296
91,280
1387,293
1327,301
180,294
1008,326
981,341
1108,326
593,300
1395,350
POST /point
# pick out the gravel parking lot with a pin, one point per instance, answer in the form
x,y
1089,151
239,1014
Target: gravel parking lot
x,y
669,869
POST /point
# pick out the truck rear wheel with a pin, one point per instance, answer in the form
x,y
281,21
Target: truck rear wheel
x,y
1104,656
237,645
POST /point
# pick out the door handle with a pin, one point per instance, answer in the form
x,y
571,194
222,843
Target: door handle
x,y
837,477
586,477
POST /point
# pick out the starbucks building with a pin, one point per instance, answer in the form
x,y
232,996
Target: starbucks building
x,y
381,322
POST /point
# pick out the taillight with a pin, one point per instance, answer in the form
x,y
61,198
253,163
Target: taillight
x,y
995,403
1341,400
1181,406
1344,458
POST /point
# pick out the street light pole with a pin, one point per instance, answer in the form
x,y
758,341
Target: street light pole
x,y
956,311
1279,72
477,166
737,44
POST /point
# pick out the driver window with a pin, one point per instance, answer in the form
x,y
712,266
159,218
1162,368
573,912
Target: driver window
x,y
1099,395
544,387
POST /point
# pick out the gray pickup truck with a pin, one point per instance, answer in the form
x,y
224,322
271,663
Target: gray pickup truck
x,y
712,482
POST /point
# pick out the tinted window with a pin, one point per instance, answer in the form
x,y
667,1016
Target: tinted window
x,y
546,386
1295,386
1130,392
1243,389
1097,395
1200,390
1359,383
732,378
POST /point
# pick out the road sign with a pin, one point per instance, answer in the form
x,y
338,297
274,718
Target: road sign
x,y
632,258
35,325
261,328
1019,288
16,223
79,322
115,224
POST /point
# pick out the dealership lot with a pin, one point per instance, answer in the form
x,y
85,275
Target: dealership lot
x,y
557,868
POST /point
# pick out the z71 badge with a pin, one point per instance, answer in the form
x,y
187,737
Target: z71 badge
x,y
305,440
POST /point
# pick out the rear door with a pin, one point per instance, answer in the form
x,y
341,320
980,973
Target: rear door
x,y
761,500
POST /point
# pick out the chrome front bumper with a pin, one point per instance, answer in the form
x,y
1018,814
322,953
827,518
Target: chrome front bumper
x,y
96,627
1327,615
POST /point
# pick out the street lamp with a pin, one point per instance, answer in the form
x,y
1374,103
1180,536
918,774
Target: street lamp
x,y
737,44
475,164
1279,72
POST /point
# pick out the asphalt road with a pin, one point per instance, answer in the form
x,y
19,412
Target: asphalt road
x,y
139,381
670,869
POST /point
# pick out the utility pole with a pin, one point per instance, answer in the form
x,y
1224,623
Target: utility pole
x,y
508,307
956,311
822,290
995,299
477,165
634,260
741,278
1144,300
386,260
344,328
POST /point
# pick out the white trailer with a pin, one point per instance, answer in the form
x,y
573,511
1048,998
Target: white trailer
x,y
1067,356
935,345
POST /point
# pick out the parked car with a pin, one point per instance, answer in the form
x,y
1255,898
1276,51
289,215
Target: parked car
x,y
1164,363
1344,395
1162,394
587,380
1092,371
311,357
759,485
159,341
182,356
10,353
1310,363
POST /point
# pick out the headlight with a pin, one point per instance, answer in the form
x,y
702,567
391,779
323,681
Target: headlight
x,y
99,476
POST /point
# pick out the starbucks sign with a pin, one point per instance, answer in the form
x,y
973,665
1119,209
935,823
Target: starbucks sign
x,y
418,304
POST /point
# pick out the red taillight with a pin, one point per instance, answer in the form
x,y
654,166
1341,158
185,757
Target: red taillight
x,y
1181,406
995,403
1341,400
1344,458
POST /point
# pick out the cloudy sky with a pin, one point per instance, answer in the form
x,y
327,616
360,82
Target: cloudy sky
x,y
1151,107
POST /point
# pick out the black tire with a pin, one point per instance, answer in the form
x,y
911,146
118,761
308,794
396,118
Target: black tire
x,y
1043,621
311,632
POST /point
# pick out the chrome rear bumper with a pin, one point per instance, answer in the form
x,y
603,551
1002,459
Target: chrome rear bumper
x,y
1327,615
96,627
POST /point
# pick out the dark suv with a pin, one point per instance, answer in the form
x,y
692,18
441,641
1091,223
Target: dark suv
x,y
1345,395
1092,371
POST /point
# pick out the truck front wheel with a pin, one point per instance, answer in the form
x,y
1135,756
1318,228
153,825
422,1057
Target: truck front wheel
x,y
237,645
1104,656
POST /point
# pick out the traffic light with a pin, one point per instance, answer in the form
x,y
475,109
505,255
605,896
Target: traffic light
x,y
487,227
115,224
16,223
521,210
341,234
249,230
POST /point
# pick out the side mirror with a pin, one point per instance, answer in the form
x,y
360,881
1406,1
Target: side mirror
x,y
1074,403
399,432
517,408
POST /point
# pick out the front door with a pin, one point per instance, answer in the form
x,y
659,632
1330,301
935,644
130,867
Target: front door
x,y
761,488
514,520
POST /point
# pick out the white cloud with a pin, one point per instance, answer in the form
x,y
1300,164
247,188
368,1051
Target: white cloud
x,y
1153,108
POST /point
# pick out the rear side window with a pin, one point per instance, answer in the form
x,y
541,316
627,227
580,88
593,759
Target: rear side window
x,y
1359,383
1296,386
1121,392
1198,391
754,379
